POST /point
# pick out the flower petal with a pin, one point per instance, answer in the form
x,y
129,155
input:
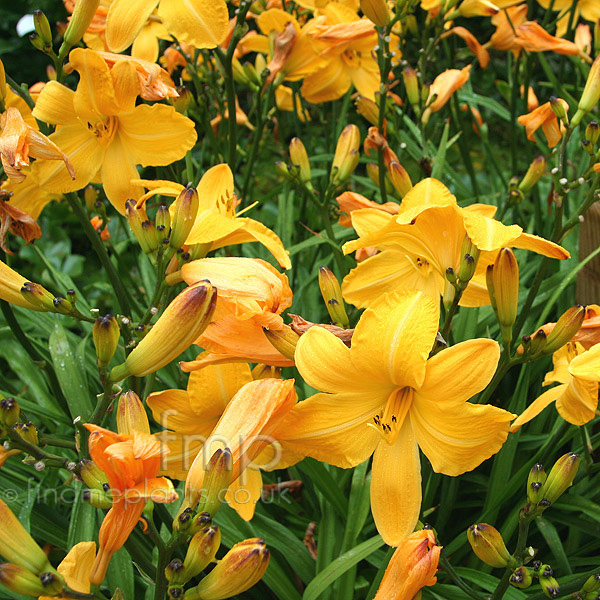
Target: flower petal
x,y
586,366
76,566
579,402
329,83
180,450
200,23
537,406
396,486
527,241
244,493
124,20
489,234
427,193
172,410
55,105
156,135
332,428
393,338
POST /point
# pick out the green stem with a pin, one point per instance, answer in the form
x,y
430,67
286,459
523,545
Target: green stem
x,y
457,579
20,90
566,589
103,402
47,440
337,253
164,557
49,459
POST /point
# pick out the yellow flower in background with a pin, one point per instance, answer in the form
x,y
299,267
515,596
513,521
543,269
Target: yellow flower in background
x,y
383,396
28,196
11,283
104,133
588,9
217,222
201,23
424,239
577,370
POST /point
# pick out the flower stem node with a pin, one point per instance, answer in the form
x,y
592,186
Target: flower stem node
x,y
105,334
487,543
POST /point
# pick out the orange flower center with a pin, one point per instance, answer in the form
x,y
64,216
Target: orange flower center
x,y
389,422
352,59
104,130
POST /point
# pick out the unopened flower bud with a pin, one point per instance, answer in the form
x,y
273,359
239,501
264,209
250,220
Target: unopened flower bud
x,y
535,483
284,170
505,289
38,296
90,195
142,228
376,11
332,294
346,155
181,102
368,109
82,16
63,306
241,568
97,498
590,137
561,477
373,173
42,27
239,73
566,327
533,175
411,83
185,210
558,108
37,42
466,270
28,432
93,476
284,340
217,478
487,543
21,581
201,551
198,522
106,335
400,178
521,578
591,93
9,412
175,572
549,586
131,414
299,159
162,224
592,584
186,317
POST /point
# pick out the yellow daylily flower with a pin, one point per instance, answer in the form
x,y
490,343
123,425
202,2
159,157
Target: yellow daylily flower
x,y
104,133
424,239
588,9
28,196
383,396
76,567
217,222
190,417
201,23
577,370
11,283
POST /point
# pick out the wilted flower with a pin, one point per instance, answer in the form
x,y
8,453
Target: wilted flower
x,y
543,117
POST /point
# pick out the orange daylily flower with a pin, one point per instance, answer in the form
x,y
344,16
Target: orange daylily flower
x,y
217,222
130,462
424,239
19,223
543,117
412,567
476,48
246,427
534,38
104,133
251,294
97,223
19,141
583,38
350,201
443,86
577,370
241,118
201,23
507,22
384,396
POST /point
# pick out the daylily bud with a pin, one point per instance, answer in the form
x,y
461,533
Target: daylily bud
x,y
549,586
178,327
37,42
131,414
93,476
201,551
535,483
283,170
106,335
198,522
592,584
28,432
332,294
597,37
558,109
368,109
346,155
466,270
537,342
184,215
283,340
376,11
400,178
591,135
534,174
175,572
591,93
62,306
17,546
561,477
82,16
141,227
476,8
241,568
42,27
21,581
39,296
299,159
566,327
162,224
373,173
505,282
97,498
239,73
90,195
411,83
488,545
9,412
216,480
521,578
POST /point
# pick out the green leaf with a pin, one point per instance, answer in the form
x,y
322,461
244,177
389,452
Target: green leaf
x,y
339,566
326,484
120,573
82,524
72,381
554,543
